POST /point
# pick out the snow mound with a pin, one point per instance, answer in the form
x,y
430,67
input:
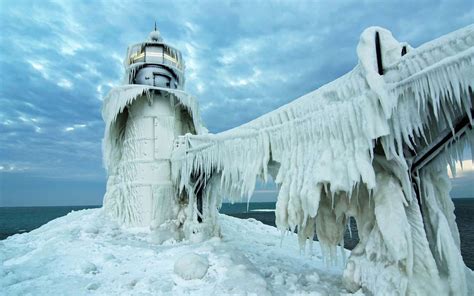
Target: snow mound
x,y
87,253
191,266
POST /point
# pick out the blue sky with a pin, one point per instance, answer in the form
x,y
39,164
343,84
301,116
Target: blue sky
x,y
244,58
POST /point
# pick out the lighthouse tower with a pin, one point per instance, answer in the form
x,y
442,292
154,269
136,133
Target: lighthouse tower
x,y
143,118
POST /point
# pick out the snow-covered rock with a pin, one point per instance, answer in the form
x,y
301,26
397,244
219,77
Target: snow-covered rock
x,y
191,266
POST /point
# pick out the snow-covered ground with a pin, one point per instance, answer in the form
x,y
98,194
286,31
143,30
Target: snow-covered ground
x,y
85,253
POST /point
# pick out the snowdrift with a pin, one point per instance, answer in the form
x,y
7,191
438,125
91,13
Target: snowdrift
x,y
86,253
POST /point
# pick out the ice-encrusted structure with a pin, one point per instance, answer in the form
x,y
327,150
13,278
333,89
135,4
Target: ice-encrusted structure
x,y
372,145
143,118
353,148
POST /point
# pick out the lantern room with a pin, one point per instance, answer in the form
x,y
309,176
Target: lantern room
x,y
154,63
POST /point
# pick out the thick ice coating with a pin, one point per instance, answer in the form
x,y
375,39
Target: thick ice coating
x,y
370,145
120,97
142,123
347,150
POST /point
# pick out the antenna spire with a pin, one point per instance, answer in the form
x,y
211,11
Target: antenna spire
x,y
155,25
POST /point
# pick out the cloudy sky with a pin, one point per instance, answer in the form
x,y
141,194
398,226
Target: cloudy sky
x,y
244,58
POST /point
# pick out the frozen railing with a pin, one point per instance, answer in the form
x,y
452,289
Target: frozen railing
x,y
341,151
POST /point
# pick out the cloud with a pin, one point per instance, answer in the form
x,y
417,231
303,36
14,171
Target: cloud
x,y
243,59
12,168
40,67
64,83
74,127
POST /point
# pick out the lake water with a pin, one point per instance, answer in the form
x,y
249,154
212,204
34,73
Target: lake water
x,y
24,219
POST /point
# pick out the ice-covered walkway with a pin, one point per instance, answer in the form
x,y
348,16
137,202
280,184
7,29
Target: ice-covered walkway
x,y
85,253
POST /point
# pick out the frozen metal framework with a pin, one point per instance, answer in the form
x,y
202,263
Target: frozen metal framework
x,y
367,145
372,145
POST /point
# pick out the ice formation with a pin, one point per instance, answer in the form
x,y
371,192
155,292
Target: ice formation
x,y
191,266
87,253
351,149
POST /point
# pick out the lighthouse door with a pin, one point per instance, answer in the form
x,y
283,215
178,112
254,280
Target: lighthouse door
x,y
161,80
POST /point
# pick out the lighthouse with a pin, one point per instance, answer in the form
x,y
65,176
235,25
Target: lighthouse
x,y
144,117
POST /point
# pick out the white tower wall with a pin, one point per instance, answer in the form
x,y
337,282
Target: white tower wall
x,y
143,118
145,168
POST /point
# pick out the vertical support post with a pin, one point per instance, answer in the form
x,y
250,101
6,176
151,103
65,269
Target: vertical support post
x,y
199,203
199,181
404,50
378,52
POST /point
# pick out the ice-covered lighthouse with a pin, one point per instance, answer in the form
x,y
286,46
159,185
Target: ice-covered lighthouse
x,y
143,118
